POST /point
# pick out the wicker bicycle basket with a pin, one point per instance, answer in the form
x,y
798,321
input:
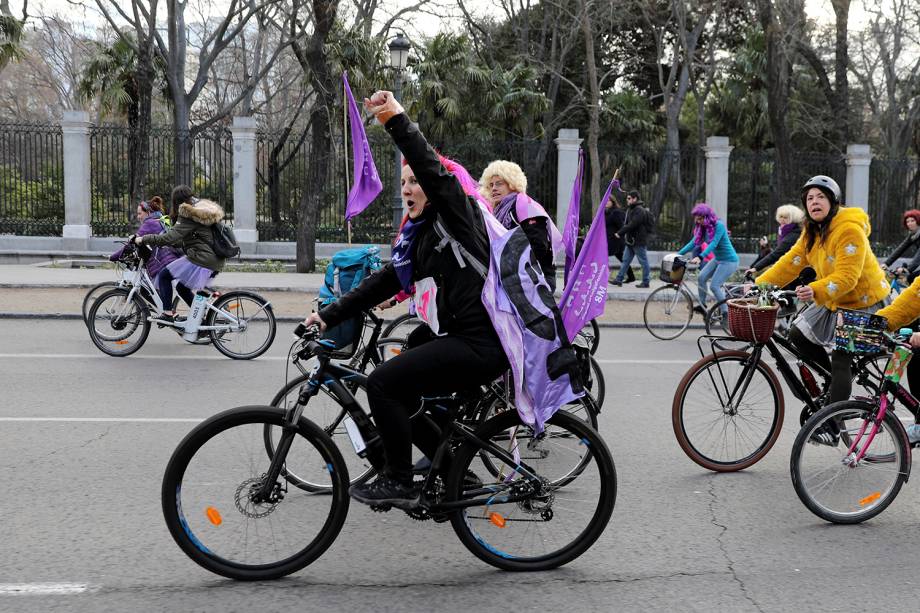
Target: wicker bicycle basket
x,y
750,322
859,332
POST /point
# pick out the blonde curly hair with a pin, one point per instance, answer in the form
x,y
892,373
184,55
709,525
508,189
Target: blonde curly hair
x,y
509,171
791,212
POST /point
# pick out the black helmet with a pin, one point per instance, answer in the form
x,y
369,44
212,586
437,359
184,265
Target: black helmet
x,y
826,185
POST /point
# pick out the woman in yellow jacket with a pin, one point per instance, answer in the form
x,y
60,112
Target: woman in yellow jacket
x,y
835,243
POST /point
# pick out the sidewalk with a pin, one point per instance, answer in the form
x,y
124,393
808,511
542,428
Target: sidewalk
x,y
39,291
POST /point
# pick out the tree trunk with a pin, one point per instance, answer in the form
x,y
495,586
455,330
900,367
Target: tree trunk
x,y
778,81
841,102
321,78
593,103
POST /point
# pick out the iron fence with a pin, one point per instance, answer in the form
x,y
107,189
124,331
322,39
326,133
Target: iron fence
x,y
894,187
31,179
113,165
755,191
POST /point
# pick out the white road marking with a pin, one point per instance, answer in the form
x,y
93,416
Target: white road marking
x,y
40,589
645,361
101,356
140,420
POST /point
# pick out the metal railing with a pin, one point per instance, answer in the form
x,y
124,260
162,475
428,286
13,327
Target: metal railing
x,y
31,179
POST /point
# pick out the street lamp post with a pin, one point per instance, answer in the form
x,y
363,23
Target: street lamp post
x,y
399,57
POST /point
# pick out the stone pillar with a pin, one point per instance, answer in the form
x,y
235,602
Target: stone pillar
x,y
859,157
244,183
567,145
717,152
77,193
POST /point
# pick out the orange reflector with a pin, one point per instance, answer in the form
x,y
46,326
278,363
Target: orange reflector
x,y
214,515
395,351
870,499
497,519
121,342
233,305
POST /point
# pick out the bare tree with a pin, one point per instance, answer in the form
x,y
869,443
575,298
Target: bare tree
x,y
593,100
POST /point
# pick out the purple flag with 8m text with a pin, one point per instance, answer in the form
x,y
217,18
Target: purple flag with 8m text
x,y
367,184
585,293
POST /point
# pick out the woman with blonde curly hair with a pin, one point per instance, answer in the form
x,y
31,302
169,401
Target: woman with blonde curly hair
x,y
790,218
504,184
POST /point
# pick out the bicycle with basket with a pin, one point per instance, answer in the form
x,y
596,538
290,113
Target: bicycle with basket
x,y
729,407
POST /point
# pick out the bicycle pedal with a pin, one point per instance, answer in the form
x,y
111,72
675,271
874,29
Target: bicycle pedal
x,y
381,508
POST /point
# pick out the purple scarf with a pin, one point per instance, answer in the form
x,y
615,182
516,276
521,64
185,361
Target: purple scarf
x,y
402,252
785,229
503,212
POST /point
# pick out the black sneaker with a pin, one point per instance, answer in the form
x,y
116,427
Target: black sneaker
x,y
617,283
643,284
698,309
164,317
824,436
386,491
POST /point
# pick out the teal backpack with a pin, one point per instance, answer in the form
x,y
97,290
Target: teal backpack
x,y
345,272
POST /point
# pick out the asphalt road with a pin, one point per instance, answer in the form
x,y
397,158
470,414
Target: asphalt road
x,y
85,439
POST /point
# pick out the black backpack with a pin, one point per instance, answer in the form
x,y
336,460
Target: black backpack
x,y
649,223
224,241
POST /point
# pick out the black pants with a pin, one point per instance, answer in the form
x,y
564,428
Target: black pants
x,y
838,364
438,367
164,286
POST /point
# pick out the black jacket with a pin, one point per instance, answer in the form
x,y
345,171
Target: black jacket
x,y
635,230
614,219
460,307
910,246
781,248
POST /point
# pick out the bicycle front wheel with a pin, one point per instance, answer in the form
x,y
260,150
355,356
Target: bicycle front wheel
x,y
246,325
727,411
528,528
118,325
211,506
326,410
667,312
833,481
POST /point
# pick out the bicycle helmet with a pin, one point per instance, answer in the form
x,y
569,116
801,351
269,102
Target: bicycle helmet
x,y
826,185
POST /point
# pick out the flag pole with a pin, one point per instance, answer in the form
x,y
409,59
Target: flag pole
x,y
345,152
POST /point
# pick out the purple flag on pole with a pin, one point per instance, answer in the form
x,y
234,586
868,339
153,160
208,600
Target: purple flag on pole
x,y
570,231
585,293
367,184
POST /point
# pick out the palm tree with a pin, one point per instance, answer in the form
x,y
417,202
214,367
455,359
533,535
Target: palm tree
x,y
11,31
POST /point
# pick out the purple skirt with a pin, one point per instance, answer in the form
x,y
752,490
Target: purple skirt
x,y
188,274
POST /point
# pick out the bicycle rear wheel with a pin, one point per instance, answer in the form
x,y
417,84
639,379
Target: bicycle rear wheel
x,y
667,312
727,412
831,482
250,325
117,325
91,296
401,326
716,321
595,385
208,502
551,524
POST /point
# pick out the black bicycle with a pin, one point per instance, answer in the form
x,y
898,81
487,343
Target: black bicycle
x,y
728,408
518,499
369,352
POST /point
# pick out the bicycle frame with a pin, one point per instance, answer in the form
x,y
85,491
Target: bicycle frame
x,y
330,374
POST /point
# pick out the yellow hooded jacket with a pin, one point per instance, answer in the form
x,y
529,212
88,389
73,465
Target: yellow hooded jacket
x,y
848,275
905,308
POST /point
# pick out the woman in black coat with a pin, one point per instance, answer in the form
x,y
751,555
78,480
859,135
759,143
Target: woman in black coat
x,y
614,220
910,246
789,217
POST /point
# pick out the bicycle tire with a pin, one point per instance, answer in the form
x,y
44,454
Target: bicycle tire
x,y
359,469
686,434
91,296
676,313
138,319
209,546
401,326
491,546
716,321
223,340
595,386
867,501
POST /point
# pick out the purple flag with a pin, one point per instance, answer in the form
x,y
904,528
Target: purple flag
x,y
570,231
585,293
367,183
